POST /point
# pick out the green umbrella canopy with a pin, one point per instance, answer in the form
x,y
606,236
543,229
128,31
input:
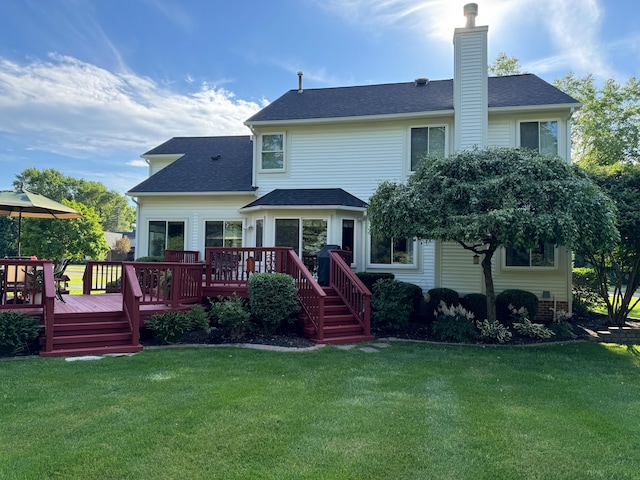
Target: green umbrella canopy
x,y
22,203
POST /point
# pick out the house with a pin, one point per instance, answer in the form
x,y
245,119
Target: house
x,y
303,177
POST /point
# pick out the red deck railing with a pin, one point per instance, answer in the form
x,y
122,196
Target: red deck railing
x,y
350,288
131,295
182,256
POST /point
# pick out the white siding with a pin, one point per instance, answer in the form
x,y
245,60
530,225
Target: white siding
x,y
501,132
193,210
470,87
457,270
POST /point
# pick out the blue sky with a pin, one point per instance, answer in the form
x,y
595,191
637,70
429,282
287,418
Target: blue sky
x,y
86,86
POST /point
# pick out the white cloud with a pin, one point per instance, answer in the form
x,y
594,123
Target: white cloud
x,y
137,163
77,109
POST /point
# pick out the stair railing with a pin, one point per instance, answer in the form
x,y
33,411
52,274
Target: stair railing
x,y
131,295
351,290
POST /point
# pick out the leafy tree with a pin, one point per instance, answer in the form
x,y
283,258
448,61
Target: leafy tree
x,y
114,212
75,239
8,236
504,65
618,269
121,249
492,198
606,129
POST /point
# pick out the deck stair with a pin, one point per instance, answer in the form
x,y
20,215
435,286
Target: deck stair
x,y
340,325
95,333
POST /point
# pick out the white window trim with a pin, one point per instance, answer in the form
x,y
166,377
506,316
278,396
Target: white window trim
x,y
540,120
398,266
408,141
223,220
503,263
284,153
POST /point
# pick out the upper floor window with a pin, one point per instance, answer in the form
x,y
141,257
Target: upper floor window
x,y
426,141
223,234
540,136
392,251
272,157
544,255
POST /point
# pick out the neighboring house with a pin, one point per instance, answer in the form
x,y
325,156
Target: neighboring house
x,y
302,179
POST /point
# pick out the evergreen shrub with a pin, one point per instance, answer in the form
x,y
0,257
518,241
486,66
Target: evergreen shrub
x,y
273,299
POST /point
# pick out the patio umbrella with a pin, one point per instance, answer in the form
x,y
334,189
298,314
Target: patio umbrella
x,y
22,203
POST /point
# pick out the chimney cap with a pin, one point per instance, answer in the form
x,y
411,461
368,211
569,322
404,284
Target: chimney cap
x,y
471,12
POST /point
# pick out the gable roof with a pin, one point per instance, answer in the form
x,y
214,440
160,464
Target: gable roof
x,y
197,171
405,98
307,197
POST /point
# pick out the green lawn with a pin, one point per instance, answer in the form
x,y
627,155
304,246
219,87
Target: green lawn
x,y
409,411
75,272
634,313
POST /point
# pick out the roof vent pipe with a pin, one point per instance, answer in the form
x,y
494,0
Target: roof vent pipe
x,y
421,81
300,82
471,12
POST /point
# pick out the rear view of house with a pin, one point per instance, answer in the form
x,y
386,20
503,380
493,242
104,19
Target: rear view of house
x,y
303,176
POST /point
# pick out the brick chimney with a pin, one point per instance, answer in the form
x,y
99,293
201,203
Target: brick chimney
x,y
470,91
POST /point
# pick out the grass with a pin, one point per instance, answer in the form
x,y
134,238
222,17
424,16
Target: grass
x,y
634,313
75,272
412,410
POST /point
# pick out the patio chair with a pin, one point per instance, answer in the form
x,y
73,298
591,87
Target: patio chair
x,y
14,283
60,278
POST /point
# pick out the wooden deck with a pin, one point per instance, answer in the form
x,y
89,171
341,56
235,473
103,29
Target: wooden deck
x,y
100,304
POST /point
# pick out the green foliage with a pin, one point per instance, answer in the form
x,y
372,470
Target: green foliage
x,y
435,296
273,299
505,65
618,268
8,236
606,129
475,303
231,312
16,331
113,211
391,304
585,290
369,279
495,197
514,298
494,331
533,330
171,326
454,324
75,239
121,249
150,259
562,330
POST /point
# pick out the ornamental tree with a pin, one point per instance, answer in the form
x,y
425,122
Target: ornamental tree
x,y
492,198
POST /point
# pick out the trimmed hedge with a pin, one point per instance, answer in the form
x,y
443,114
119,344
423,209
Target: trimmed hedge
x,y
435,296
517,298
475,303
369,279
273,299
391,306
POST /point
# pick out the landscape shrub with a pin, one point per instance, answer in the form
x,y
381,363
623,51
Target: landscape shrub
x,y
369,279
170,327
232,313
525,327
17,331
585,290
150,259
475,303
437,295
273,299
494,331
454,324
414,295
517,299
561,325
391,305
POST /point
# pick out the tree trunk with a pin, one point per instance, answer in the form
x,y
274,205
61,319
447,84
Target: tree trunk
x,y
488,283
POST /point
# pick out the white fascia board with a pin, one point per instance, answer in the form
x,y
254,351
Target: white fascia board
x,y
189,194
358,119
164,156
535,108
303,207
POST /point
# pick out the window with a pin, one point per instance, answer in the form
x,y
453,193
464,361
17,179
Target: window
x,y
392,251
223,234
303,235
424,141
165,236
540,136
544,255
272,152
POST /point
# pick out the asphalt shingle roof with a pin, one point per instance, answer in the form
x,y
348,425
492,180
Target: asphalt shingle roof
x,y
308,197
196,171
399,98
